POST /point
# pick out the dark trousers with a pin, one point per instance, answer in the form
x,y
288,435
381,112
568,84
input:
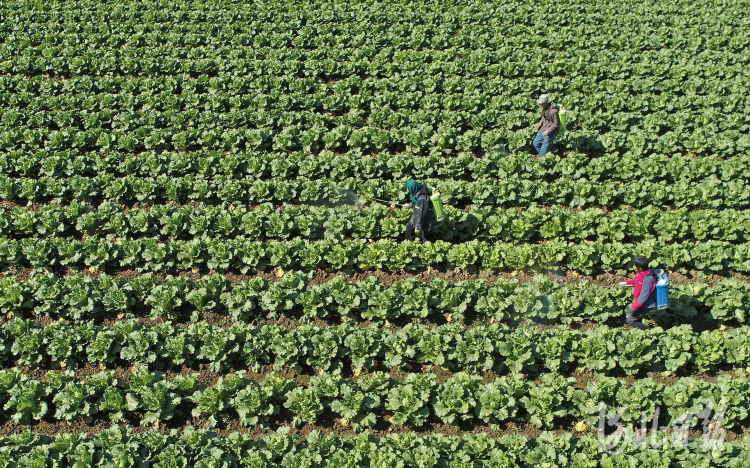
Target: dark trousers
x,y
635,317
411,235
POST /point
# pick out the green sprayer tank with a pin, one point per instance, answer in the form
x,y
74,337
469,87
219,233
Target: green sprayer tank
x,y
437,205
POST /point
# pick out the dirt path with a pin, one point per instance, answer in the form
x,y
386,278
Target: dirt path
x,y
387,277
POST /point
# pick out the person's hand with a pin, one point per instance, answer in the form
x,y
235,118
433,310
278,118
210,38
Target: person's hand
x,y
622,283
416,231
409,205
537,126
544,134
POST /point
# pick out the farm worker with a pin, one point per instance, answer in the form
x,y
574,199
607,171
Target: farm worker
x,y
423,218
644,292
547,126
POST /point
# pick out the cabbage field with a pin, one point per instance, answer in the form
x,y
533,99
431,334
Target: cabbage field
x,y
195,271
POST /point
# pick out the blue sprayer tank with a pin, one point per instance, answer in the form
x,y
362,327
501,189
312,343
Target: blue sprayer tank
x,y
662,289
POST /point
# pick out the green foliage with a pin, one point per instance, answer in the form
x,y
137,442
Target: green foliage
x,y
482,347
220,137
461,399
409,402
305,403
549,400
240,254
456,398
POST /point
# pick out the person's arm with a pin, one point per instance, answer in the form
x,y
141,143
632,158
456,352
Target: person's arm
x,y
539,125
648,283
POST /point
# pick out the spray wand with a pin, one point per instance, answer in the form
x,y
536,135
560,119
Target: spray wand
x,y
390,203
603,287
361,200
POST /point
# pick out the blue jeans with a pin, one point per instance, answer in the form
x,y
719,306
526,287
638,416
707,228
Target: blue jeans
x,y
543,143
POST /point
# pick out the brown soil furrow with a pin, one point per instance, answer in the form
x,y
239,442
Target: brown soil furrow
x,y
382,428
209,378
387,277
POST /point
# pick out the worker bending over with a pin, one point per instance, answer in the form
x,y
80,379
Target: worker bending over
x,y
423,219
644,292
548,126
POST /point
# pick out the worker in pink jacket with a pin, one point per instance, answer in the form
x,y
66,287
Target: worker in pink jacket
x,y
644,292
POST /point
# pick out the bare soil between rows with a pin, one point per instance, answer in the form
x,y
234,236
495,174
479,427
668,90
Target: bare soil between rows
x,y
329,424
301,377
388,277
564,277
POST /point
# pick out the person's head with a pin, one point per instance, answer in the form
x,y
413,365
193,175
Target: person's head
x,y
543,101
412,187
640,263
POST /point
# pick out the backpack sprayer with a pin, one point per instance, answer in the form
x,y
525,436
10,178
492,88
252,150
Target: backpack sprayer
x,y
437,205
563,115
662,289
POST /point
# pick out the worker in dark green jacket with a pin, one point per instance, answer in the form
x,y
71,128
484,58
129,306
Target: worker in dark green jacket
x,y
423,219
